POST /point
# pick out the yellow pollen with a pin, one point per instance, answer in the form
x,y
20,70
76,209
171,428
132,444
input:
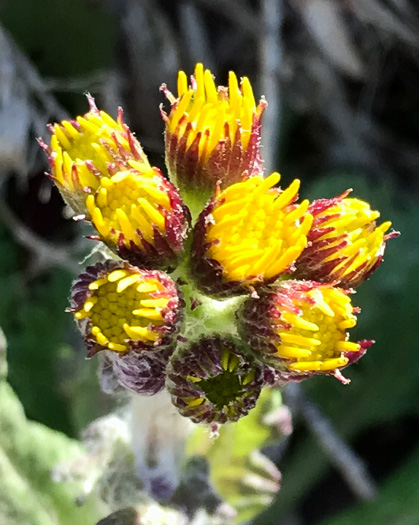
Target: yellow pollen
x,y
217,111
252,234
317,338
117,312
129,203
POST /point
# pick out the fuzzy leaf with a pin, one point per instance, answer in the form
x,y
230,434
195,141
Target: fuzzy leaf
x,y
28,452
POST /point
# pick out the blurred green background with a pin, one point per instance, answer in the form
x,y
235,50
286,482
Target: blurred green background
x,y
341,80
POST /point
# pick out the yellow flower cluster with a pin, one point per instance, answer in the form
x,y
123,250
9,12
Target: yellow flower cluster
x,y
261,279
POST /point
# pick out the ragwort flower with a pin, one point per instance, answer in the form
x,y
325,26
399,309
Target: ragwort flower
x,y
120,307
345,244
140,216
300,328
212,381
249,234
84,150
212,134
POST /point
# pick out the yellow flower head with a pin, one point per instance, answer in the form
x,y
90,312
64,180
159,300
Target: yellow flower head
x,y
139,215
300,327
212,134
84,150
345,243
120,308
249,234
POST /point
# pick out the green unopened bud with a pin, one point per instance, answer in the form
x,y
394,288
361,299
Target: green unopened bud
x,y
212,381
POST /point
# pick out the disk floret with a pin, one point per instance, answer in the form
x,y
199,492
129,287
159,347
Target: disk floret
x,y
248,235
300,327
345,243
119,307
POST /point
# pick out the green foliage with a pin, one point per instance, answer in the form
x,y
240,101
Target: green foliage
x,y
28,452
57,34
34,322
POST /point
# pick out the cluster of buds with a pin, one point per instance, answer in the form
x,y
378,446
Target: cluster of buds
x,y
222,282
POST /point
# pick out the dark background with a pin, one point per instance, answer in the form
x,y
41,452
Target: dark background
x,y
341,79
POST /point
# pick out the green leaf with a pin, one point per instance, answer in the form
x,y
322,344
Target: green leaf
x,y
64,38
28,452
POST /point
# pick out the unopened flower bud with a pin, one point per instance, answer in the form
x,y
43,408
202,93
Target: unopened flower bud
x,y
119,307
141,372
212,381
248,235
84,150
212,134
345,244
140,216
300,328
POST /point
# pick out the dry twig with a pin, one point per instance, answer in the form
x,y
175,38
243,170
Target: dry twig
x,y
195,37
237,12
270,53
339,452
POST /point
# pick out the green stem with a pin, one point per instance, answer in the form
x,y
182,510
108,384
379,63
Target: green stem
x,y
205,316
196,202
